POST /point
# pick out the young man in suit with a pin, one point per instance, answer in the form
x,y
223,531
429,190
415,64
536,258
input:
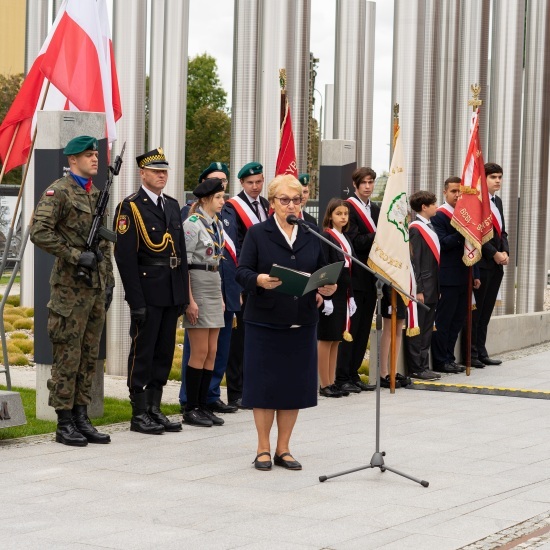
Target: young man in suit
x,y
453,280
243,210
363,217
425,254
494,256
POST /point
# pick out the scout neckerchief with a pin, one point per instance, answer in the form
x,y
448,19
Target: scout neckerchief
x,y
345,246
364,213
497,218
215,230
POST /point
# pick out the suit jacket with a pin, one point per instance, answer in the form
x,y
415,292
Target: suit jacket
x,y
264,246
499,243
452,270
362,240
231,290
241,227
425,266
158,285
309,218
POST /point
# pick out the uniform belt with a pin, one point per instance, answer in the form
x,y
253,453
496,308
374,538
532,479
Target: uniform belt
x,y
172,261
203,267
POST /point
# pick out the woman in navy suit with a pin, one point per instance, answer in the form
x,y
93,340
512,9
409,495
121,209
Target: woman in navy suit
x,y
280,357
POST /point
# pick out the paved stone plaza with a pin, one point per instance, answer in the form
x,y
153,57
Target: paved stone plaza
x,y
487,459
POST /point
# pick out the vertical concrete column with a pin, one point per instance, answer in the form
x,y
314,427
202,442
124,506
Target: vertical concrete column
x,y
504,124
245,75
129,36
156,69
174,92
408,81
328,122
531,276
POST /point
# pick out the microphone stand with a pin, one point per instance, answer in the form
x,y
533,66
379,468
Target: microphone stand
x,y
377,459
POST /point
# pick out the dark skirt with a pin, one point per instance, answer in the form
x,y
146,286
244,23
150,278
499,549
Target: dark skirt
x,y
331,327
386,304
280,367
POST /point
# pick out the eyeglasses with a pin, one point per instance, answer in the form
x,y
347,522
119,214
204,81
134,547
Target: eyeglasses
x,y
224,180
285,201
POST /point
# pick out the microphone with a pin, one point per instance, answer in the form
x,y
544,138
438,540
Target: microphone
x,y
294,220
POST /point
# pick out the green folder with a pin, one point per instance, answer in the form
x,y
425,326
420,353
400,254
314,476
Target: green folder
x,y
298,283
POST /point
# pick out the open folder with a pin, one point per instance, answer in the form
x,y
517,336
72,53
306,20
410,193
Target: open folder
x,y
298,283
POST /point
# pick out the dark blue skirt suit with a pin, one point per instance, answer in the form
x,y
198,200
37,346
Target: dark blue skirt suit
x,y
280,357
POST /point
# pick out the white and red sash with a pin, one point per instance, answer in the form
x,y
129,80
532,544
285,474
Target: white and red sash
x,y
430,236
230,247
363,214
245,213
497,218
447,209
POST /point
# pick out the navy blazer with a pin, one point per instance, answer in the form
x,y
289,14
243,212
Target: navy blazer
x,y
426,269
452,270
499,243
264,245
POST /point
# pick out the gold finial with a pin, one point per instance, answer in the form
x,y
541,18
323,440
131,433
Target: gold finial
x,y
395,122
282,79
475,102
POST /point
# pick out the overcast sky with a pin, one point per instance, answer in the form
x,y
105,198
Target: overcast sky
x,y
211,31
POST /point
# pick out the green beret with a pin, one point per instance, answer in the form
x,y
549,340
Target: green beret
x,y
250,169
154,160
214,167
304,179
80,144
208,187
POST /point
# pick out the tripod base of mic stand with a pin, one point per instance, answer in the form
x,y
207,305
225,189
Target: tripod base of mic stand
x,y
377,461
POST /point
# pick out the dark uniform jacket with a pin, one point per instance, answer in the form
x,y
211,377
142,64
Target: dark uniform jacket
x,y
425,266
499,243
157,285
264,246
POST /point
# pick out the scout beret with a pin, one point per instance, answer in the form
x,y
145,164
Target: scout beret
x,y
80,144
304,179
208,187
154,160
250,169
214,167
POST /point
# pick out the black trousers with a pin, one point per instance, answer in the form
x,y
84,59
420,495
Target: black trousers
x,y
351,354
152,348
417,348
449,318
486,296
234,370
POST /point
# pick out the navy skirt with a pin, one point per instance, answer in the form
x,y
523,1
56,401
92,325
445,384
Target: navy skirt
x,y
280,367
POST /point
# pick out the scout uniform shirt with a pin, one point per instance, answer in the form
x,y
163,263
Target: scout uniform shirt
x,y
204,244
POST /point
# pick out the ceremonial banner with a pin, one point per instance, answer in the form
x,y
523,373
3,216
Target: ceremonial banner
x,y
286,159
77,61
390,254
472,214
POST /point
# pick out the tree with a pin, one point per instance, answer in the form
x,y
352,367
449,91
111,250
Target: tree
x,y
9,88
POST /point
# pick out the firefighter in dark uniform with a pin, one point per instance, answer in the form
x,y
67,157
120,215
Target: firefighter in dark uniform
x,y
151,258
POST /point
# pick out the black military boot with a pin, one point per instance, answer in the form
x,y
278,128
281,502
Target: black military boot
x,y
141,421
84,426
154,397
66,432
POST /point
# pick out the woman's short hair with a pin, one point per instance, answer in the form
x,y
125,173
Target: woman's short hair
x,y
332,205
283,181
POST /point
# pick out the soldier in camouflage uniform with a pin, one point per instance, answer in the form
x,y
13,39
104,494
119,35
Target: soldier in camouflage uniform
x,y
60,225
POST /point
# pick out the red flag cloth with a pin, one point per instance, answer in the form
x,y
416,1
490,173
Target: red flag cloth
x,y
77,59
286,159
472,214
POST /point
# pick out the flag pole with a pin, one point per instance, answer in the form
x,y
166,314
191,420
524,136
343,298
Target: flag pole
x,y
393,345
475,102
9,152
282,83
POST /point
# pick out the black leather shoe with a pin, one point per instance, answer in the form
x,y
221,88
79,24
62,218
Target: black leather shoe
x,y
365,387
477,364
489,361
448,368
239,404
141,422
288,464
335,388
154,397
196,418
209,415
385,382
328,391
459,367
84,426
403,380
426,375
220,407
66,432
263,465
349,387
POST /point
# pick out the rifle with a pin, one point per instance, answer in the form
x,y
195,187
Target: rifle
x,y
98,230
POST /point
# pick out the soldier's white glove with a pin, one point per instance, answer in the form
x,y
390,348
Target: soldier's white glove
x,y
328,307
352,306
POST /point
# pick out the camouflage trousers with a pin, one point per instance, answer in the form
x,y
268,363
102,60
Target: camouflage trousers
x,y
75,324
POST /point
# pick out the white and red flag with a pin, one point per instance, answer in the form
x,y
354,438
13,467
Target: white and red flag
x,y
472,214
286,159
77,61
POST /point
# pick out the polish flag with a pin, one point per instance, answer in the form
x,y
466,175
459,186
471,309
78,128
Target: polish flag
x,y
286,159
77,61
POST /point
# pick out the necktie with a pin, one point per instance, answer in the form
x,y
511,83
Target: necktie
x,y
429,224
256,210
493,199
159,204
